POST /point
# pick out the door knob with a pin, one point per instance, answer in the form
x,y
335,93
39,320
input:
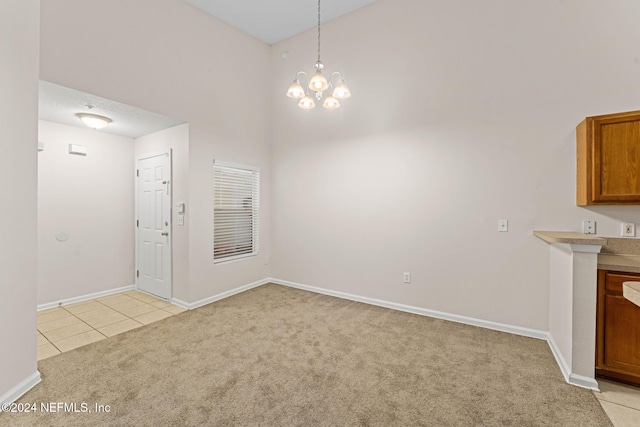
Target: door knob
x,y
165,233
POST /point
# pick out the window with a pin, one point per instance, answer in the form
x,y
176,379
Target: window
x,y
235,211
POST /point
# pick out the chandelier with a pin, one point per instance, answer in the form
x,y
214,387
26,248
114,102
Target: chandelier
x,y
319,85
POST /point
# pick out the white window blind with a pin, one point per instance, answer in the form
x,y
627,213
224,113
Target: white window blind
x,y
235,212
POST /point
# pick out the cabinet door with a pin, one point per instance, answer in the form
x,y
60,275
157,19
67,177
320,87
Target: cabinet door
x,y
618,329
608,160
622,335
616,158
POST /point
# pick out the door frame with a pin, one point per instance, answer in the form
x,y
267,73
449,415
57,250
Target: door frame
x,y
169,153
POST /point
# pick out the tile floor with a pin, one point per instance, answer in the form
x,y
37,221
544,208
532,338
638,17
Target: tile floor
x,y
71,326
621,402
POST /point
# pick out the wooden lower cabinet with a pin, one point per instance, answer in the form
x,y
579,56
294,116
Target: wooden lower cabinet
x,y
617,329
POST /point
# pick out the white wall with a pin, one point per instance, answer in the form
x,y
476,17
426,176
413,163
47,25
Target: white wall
x,y
91,198
180,62
18,174
463,112
175,139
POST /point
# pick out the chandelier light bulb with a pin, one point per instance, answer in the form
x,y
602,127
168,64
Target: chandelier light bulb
x,y
307,102
331,103
318,83
341,91
296,90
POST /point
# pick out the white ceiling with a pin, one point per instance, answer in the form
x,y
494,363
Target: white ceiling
x,y
60,104
274,20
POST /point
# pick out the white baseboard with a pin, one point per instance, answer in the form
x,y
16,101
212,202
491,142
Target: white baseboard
x,y
24,386
180,303
584,382
223,295
562,363
573,379
85,297
517,330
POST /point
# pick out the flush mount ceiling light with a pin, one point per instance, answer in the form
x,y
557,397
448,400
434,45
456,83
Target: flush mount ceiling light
x,y
94,121
319,85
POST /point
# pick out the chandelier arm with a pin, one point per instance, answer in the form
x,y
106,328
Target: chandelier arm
x,y
333,74
298,74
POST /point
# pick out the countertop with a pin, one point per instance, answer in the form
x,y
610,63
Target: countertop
x,y
617,254
569,237
625,263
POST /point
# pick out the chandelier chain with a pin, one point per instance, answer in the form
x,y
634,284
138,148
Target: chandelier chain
x,y
318,31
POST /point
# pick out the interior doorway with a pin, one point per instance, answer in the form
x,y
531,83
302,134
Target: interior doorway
x,y
87,198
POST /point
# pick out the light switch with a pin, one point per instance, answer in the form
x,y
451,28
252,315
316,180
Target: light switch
x,y
180,219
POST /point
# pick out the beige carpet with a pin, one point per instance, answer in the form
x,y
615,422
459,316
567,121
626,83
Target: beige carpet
x,y
275,356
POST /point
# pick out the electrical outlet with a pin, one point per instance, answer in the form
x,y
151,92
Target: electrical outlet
x,y
503,225
588,227
628,229
266,260
406,277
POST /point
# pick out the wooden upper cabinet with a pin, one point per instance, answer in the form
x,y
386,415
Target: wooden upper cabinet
x,y
608,153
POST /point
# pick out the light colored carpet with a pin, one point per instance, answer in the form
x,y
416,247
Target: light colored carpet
x,y
275,356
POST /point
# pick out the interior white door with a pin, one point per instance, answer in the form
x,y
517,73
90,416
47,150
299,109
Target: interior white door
x,y
153,241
